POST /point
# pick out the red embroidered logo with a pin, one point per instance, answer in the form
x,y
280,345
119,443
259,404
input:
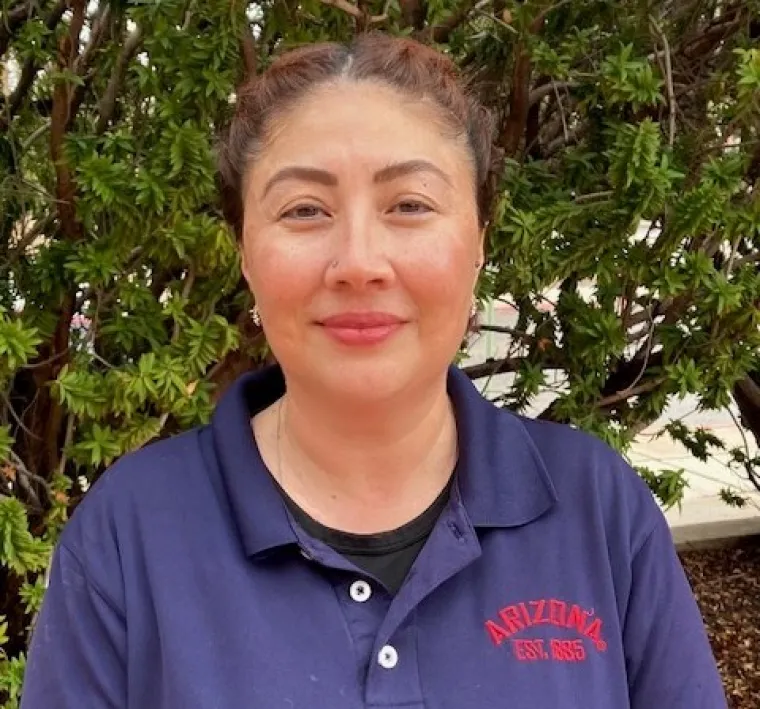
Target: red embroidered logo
x,y
516,618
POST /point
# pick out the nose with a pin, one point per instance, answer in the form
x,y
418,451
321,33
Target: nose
x,y
360,256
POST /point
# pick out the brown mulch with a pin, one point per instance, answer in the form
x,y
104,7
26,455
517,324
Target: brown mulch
x,y
726,583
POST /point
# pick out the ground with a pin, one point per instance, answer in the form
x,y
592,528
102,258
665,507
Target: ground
x,y
726,583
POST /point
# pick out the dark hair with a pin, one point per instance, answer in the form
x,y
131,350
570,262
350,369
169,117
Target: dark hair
x,y
408,66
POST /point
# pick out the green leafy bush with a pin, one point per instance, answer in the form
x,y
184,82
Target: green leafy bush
x,y
627,195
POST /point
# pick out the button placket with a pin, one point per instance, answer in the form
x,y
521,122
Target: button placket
x,y
393,675
450,549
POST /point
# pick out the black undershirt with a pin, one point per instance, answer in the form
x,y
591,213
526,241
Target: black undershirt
x,y
386,556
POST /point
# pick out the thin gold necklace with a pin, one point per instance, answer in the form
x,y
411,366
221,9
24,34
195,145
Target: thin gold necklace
x,y
278,475
278,457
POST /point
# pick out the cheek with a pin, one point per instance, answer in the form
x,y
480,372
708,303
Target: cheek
x,y
280,271
441,278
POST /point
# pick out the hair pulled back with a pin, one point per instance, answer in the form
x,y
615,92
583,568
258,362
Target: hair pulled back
x,y
403,64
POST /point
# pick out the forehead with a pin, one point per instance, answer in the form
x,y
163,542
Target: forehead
x,y
365,122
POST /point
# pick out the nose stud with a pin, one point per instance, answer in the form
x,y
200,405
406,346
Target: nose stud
x,y
334,263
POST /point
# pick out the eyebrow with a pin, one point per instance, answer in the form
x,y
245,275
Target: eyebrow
x,y
305,174
401,169
324,177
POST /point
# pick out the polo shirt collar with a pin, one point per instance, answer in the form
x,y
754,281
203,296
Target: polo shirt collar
x,y
502,480
256,505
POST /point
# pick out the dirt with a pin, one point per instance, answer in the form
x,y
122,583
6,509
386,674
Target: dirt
x,y
726,583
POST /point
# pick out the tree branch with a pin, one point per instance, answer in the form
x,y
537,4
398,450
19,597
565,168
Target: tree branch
x,y
39,131
24,476
648,347
562,141
59,122
412,13
593,196
440,33
672,107
70,226
107,104
17,419
495,19
519,96
66,443
749,258
29,70
249,52
504,330
747,396
345,5
26,240
538,21
492,367
544,90
13,20
705,39
750,390
749,468
98,34
732,257
628,393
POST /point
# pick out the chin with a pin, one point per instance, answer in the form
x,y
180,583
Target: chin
x,y
369,379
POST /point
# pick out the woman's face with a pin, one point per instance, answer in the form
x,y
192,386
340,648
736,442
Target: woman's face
x,y
361,241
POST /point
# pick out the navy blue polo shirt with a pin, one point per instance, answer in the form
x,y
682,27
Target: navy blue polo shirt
x,y
550,582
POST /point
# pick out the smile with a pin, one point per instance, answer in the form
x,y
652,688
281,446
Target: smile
x,y
362,329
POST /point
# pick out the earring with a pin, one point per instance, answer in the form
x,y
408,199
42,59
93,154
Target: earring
x,y
255,315
474,308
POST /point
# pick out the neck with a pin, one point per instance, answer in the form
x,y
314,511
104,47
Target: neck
x,y
368,469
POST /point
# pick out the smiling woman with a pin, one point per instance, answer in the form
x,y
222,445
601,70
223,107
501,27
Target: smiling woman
x,y
375,533
360,227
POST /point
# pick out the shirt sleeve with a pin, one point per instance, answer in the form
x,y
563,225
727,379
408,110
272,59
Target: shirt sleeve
x,y
77,653
669,659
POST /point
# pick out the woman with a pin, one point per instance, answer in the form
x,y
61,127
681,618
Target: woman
x,y
359,528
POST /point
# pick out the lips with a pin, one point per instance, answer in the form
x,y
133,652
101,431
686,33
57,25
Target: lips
x,y
361,321
367,328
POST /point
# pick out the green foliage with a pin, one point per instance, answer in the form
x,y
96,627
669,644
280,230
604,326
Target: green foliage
x,y
11,680
18,344
116,317
667,485
630,213
732,499
697,442
630,81
19,550
6,442
31,595
626,231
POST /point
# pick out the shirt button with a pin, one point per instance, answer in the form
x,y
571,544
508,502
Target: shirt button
x,y
360,591
388,657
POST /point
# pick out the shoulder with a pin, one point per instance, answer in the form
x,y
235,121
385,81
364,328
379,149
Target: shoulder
x,y
150,472
155,482
591,477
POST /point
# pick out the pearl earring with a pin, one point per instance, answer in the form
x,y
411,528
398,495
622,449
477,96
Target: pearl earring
x,y
255,315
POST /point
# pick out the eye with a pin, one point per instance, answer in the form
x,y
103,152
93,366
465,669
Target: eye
x,y
303,212
412,207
